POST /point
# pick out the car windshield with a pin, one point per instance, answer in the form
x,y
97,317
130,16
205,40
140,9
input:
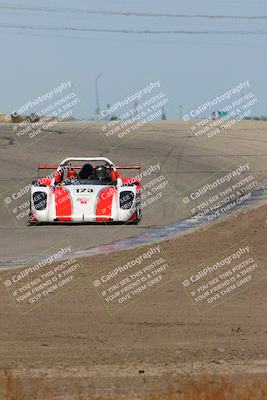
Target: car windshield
x,y
87,174
88,182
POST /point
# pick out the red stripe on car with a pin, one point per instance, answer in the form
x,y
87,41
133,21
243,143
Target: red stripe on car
x,y
104,204
63,204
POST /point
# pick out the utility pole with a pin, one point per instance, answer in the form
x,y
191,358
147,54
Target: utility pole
x,y
163,114
97,110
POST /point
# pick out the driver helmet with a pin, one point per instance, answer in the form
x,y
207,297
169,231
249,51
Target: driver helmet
x,y
102,172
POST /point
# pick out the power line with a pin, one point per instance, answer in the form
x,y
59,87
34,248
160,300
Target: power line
x,y
126,13
131,40
132,31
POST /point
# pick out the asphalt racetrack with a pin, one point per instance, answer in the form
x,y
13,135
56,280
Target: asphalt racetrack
x,y
184,160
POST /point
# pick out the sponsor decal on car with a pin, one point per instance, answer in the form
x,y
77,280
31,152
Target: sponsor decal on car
x,y
83,200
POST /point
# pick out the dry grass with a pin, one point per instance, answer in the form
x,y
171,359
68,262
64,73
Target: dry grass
x,y
13,390
203,388
4,118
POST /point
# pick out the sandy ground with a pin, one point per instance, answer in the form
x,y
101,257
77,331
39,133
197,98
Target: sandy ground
x,y
73,345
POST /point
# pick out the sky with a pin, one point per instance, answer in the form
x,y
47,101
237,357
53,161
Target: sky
x,y
197,49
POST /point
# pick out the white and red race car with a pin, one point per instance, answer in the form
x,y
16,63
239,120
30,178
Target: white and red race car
x,y
85,190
